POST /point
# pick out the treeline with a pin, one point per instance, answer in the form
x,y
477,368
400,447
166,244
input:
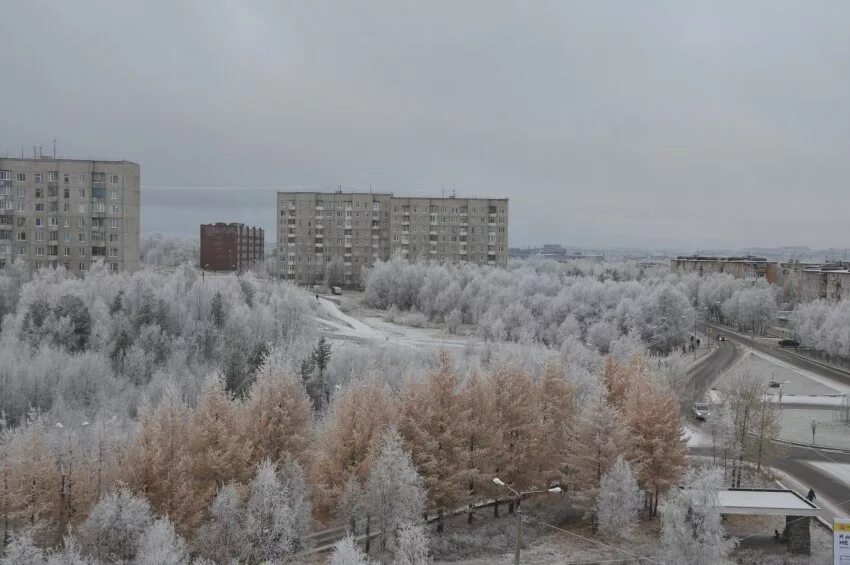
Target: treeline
x,y
95,346
209,465
564,307
823,325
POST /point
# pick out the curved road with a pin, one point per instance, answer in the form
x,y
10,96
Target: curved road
x,y
795,462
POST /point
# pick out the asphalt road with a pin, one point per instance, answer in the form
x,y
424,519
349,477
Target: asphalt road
x,y
794,461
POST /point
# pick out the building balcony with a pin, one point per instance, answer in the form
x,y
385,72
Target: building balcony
x,y
319,245
405,223
320,208
98,214
320,236
405,242
462,251
374,227
433,252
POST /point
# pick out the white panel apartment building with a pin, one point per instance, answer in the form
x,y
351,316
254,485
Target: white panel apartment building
x,y
316,228
69,212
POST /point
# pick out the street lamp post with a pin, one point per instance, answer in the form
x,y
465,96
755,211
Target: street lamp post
x,y
65,484
518,499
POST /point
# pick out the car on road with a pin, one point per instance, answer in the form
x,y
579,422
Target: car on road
x,y
701,410
789,343
721,338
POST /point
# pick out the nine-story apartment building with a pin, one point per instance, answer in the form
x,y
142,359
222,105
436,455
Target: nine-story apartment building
x,y
69,212
353,230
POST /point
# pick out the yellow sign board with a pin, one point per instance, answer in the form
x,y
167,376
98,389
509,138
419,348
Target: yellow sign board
x,y
841,541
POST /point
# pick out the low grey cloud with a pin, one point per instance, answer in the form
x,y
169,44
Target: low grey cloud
x,y
606,123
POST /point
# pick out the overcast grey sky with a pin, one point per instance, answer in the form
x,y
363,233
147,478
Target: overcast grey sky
x,y
606,123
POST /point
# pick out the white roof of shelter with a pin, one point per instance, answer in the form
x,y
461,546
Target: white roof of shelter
x,y
782,502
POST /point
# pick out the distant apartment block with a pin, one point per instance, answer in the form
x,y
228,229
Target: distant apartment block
x,y
354,230
808,281
231,247
749,268
69,212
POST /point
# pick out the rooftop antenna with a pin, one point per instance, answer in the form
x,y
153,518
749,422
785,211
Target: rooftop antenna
x,y
54,148
39,151
33,152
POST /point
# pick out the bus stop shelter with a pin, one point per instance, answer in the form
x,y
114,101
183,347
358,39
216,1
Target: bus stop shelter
x,y
774,502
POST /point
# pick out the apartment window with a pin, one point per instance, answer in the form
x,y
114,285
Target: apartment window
x,y
82,222
21,222
22,206
113,238
22,236
82,266
39,207
66,178
82,193
115,209
39,250
52,176
82,178
53,221
82,251
81,237
67,252
113,179
97,192
20,192
113,252
39,236
113,223
113,267
21,177
66,207
5,175
39,177
38,265
66,237
39,193
98,207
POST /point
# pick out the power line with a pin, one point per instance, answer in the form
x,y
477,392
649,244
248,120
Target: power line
x,y
633,555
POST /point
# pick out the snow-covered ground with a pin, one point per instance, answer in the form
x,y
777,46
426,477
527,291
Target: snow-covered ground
x,y
695,436
336,324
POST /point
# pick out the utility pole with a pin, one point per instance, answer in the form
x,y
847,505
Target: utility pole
x,y
518,499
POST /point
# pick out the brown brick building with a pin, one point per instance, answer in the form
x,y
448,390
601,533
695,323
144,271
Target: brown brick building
x,y
231,247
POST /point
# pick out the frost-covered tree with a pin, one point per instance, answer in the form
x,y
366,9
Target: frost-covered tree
x,y
268,532
221,537
293,483
691,527
412,546
346,552
161,545
431,422
114,527
22,550
352,503
349,436
395,494
619,501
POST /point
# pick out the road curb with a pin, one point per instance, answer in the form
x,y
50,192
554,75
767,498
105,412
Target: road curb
x,y
811,445
815,361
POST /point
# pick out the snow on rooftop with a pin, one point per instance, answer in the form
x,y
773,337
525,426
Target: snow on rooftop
x,y
765,501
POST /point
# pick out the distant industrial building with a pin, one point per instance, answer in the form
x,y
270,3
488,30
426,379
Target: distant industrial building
x,y
231,247
748,268
350,231
69,212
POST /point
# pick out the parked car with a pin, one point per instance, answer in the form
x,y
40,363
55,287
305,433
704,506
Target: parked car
x,y
789,343
701,410
721,338
336,290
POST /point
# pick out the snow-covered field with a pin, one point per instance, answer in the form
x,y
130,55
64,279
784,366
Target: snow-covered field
x,y
372,328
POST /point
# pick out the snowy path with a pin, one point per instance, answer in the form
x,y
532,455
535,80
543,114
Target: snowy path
x,y
337,325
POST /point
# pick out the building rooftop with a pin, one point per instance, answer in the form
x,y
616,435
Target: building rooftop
x,y
44,159
722,259
784,502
